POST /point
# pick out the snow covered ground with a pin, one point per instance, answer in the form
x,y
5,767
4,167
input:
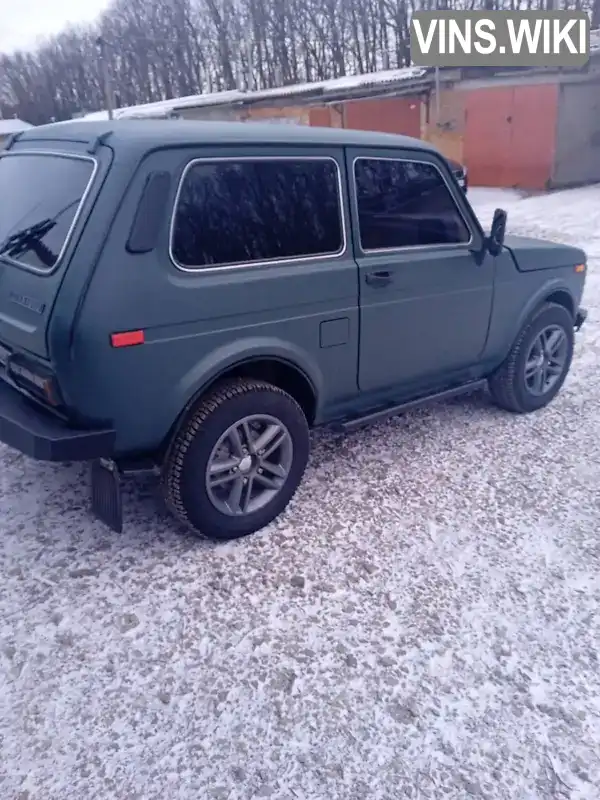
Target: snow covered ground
x,y
423,623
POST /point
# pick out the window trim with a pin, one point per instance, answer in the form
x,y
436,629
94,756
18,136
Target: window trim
x,y
258,262
78,212
411,247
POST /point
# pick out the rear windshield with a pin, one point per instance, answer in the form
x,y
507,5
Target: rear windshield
x,y
39,198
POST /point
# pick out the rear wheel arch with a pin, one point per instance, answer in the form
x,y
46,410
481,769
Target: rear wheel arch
x,y
279,372
236,495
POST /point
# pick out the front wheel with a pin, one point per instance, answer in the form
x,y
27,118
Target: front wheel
x,y
238,460
538,363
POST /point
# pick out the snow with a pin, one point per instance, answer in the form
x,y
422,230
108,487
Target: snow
x,y
422,623
341,84
163,108
567,216
9,126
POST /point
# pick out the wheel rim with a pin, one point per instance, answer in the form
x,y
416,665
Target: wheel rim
x,y
546,360
249,465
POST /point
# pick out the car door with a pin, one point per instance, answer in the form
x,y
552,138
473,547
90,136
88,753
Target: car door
x,y
425,291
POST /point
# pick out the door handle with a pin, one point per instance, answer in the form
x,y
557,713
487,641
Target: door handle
x,y
380,278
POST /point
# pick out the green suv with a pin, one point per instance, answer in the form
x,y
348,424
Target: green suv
x,y
190,299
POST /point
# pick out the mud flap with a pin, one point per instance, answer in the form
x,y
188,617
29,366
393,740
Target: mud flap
x,y
107,504
580,318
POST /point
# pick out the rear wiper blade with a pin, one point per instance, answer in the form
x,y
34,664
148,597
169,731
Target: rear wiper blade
x,y
26,236
30,238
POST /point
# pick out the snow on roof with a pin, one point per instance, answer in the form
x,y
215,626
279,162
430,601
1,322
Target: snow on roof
x,y
345,83
9,126
164,108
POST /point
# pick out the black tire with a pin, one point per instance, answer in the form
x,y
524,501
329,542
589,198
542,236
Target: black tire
x,y
184,471
508,386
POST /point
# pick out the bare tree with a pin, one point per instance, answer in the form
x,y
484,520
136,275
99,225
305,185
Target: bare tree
x,y
160,49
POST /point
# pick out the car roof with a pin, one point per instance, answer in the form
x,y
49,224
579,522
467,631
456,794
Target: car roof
x,y
153,133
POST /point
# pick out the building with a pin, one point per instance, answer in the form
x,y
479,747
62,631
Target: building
x,y
533,129
318,103
10,126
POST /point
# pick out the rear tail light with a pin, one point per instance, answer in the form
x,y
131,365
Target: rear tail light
x,y
34,380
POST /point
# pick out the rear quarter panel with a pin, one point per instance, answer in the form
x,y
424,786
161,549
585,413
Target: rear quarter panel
x,y
199,323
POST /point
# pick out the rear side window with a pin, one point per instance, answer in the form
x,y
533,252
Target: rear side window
x,y
405,204
238,212
40,196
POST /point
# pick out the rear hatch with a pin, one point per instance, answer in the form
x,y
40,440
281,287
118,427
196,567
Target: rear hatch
x,y
43,196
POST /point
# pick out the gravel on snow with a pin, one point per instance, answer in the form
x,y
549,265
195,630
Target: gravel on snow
x,y
422,623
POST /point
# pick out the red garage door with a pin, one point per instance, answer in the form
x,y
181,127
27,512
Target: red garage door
x,y
510,135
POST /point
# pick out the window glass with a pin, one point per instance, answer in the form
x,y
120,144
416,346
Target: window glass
x,y
39,198
235,212
405,204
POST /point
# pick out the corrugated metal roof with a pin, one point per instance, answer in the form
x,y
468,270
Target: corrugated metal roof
x,y
344,83
164,108
9,126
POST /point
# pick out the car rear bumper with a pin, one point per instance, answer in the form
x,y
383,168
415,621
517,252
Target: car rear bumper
x,y
40,435
580,318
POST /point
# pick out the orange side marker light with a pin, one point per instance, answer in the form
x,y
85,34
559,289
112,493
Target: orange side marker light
x,y
580,268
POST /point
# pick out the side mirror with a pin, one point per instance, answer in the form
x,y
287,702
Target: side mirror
x,y
495,240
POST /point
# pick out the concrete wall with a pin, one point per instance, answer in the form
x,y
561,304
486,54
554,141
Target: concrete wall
x,y
322,116
210,113
577,153
292,114
446,133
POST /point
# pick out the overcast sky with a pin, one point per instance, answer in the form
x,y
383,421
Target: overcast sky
x,y
24,21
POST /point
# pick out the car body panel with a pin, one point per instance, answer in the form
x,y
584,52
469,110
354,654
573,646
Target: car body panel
x,y
27,296
460,173
449,315
414,316
535,254
200,322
